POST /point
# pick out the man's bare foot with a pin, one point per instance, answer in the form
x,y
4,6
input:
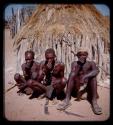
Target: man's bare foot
x,y
54,101
81,97
63,106
28,91
96,109
41,96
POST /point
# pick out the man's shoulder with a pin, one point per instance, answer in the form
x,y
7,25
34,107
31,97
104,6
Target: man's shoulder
x,y
91,62
36,63
23,65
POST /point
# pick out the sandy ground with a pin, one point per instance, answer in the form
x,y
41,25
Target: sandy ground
x,y
21,108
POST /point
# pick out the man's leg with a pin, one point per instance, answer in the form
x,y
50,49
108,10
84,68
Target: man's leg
x,y
80,93
92,95
60,94
68,97
36,85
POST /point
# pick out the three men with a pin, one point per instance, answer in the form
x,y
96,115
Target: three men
x,y
49,78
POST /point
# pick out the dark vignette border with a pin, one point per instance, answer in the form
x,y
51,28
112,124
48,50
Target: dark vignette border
x,y
3,5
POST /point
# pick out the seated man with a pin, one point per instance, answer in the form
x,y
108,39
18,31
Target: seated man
x,y
29,68
82,72
58,81
52,72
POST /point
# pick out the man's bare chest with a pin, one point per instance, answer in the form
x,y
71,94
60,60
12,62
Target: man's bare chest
x,y
85,68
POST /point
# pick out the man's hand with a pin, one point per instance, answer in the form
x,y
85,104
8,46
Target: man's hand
x,y
49,65
55,82
83,79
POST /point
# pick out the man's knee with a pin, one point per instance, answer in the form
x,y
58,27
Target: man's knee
x,y
16,76
92,80
30,82
63,83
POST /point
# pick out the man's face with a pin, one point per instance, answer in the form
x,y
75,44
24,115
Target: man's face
x,y
50,58
82,56
29,59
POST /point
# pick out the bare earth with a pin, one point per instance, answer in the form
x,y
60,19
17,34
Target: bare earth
x,y
21,108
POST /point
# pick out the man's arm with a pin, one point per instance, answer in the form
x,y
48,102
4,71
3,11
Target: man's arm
x,y
26,71
75,68
93,72
74,71
62,67
22,79
42,72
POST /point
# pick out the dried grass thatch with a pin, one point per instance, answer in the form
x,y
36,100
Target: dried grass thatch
x,y
65,28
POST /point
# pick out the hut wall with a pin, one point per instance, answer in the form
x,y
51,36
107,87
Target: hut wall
x,y
64,47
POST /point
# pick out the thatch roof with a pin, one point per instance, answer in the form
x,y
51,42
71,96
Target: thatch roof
x,y
57,19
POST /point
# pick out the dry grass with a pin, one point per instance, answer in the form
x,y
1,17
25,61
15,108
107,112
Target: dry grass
x,y
58,18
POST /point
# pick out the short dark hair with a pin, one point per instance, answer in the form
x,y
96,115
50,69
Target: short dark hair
x,y
50,50
30,51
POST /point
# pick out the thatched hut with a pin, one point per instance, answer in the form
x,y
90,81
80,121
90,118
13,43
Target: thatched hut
x,y
66,28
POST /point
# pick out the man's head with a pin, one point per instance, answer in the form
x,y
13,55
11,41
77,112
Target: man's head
x,y
82,54
29,57
50,57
